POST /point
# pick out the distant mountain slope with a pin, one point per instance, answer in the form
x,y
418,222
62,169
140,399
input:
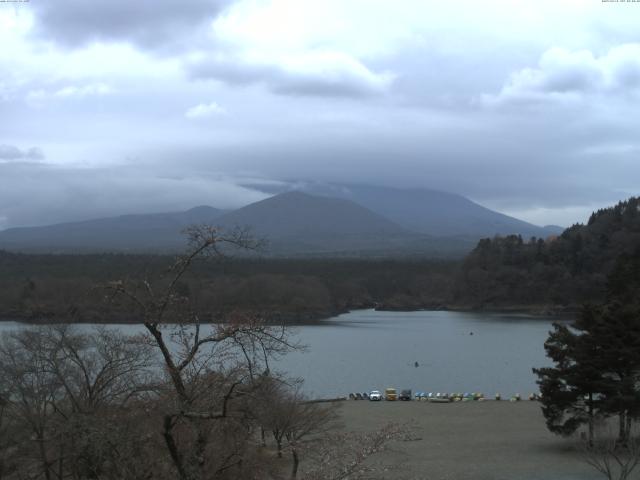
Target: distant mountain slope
x,y
432,212
299,223
439,213
339,220
297,214
293,223
147,232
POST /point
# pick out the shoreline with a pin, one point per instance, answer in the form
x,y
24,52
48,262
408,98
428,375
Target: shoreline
x,y
533,310
541,311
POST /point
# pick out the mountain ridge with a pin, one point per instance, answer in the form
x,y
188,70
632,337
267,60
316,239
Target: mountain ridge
x,y
120,233
429,211
295,223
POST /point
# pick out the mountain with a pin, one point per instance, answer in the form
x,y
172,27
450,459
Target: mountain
x,y
296,222
432,212
553,229
293,223
439,213
147,232
338,219
295,214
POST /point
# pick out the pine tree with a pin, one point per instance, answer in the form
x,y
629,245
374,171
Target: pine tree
x,y
570,390
597,359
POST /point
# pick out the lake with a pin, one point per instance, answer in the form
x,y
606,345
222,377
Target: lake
x,y
456,351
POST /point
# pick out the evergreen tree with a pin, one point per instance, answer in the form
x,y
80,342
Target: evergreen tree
x,y
571,389
560,271
597,359
617,330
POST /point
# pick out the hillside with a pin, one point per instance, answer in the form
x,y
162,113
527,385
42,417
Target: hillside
x,y
565,271
299,215
336,220
293,223
150,232
432,212
298,223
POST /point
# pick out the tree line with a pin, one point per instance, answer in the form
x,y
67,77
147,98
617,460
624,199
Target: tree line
x,y
563,271
63,288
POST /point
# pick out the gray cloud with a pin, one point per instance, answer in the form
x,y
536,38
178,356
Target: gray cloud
x,y
564,75
318,74
510,164
476,104
40,194
11,152
148,23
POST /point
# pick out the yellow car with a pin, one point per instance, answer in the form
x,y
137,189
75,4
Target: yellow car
x,y
390,394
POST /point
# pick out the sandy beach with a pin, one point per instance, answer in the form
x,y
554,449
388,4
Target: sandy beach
x,y
469,440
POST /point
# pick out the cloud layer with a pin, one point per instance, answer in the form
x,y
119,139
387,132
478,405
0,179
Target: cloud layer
x,y
318,73
11,152
562,74
149,24
204,110
529,108
37,194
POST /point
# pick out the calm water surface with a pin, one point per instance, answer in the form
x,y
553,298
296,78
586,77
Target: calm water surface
x,y
365,350
466,352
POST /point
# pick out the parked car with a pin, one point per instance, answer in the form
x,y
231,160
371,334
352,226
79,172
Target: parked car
x,y
375,396
405,395
390,394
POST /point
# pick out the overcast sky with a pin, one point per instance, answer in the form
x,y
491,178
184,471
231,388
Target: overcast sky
x,y
121,106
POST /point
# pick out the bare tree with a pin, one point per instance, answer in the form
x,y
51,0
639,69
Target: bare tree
x,y
7,440
311,433
613,458
60,389
309,421
346,455
102,373
30,395
210,368
290,417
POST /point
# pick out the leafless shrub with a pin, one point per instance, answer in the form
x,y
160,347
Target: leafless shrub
x,y
344,455
614,459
